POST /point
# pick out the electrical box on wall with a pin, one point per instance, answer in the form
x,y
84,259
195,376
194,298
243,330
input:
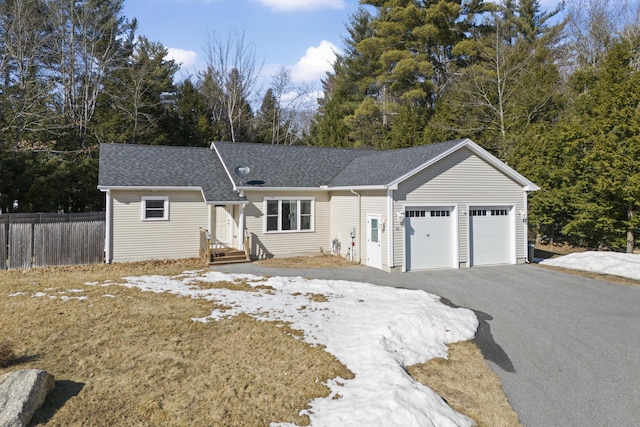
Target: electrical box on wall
x,y
352,233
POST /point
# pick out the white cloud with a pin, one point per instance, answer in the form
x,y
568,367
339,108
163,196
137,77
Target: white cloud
x,y
297,5
314,65
185,58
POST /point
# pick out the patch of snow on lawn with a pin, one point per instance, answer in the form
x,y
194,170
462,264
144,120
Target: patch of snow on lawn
x,y
375,331
614,263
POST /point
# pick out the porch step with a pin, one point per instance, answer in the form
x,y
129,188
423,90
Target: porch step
x,y
227,256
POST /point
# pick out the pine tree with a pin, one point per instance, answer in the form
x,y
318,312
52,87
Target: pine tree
x,y
606,147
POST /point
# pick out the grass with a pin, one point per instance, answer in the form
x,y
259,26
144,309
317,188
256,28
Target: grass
x,y
6,354
468,386
320,261
125,357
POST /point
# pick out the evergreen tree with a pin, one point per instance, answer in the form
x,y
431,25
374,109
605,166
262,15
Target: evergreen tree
x,y
137,97
346,87
606,147
511,84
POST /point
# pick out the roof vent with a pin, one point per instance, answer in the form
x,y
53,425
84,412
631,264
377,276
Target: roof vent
x,y
242,170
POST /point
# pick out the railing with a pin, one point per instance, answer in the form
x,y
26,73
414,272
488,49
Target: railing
x,y
247,251
205,245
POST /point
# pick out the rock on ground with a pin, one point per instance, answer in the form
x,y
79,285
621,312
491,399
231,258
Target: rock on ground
x,y
21,394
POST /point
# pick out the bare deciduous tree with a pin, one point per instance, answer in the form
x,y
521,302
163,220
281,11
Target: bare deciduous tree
x,y
88,44
230,80
592,26
25,87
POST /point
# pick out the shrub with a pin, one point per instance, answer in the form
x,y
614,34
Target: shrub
x,y
6,354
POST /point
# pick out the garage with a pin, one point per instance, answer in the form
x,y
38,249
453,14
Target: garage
x,y
430,237
491,235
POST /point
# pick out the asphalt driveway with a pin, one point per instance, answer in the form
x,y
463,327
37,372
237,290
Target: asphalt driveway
x,y
566,348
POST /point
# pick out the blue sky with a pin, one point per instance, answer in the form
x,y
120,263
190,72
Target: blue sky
x,y
299,34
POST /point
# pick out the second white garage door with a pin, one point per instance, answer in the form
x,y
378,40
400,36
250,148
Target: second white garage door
x,y
429,238
491,236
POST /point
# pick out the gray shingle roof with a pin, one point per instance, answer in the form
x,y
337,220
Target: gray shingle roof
x,y
287,166
384,167
127,165
123,165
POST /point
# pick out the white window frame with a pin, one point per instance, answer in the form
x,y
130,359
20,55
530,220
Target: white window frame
x,y
165,208
299,214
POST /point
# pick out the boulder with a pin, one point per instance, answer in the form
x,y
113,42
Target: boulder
x,y
21,394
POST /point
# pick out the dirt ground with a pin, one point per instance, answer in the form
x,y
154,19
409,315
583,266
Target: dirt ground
x,y
125,357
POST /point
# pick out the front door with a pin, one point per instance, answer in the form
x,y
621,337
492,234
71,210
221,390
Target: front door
x,y
223,226
374,241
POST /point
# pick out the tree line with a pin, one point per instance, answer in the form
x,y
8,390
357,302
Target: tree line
x,y
553,93
74,74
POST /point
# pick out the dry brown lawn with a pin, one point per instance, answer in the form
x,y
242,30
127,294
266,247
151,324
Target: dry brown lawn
x,y
126,357
320,261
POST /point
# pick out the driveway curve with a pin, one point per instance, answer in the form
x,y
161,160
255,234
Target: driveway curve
x,y
567,348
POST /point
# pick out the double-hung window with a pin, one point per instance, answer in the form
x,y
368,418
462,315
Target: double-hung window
x,y
155,208
289,214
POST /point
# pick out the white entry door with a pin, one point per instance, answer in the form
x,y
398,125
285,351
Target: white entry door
x,y
429,238
374,241
223,226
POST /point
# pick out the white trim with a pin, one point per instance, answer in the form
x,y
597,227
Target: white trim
x,y
108,228
525,224
359,187
241,227
165,208
225,202
147,188
259,189
224,165
390,228
312,224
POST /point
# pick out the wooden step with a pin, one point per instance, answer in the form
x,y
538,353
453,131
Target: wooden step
x,y
227,256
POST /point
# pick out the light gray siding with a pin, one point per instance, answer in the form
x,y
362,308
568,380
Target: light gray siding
x,y
345,207
462,179
137,240
281,244
344,217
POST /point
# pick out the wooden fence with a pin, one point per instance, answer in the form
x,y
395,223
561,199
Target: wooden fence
x,y
38,241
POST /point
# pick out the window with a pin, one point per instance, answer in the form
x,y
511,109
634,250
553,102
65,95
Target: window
x,y
499,212
155,208
416,213
441,213
478,212
289,214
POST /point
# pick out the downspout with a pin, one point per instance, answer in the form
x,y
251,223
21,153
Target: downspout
x,y
358,234
108,228
241,230
525,223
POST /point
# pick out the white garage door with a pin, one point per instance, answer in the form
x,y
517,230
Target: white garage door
x,y
491,236
429,238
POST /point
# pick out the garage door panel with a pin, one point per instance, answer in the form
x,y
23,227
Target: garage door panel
x,y
491,237
429,238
